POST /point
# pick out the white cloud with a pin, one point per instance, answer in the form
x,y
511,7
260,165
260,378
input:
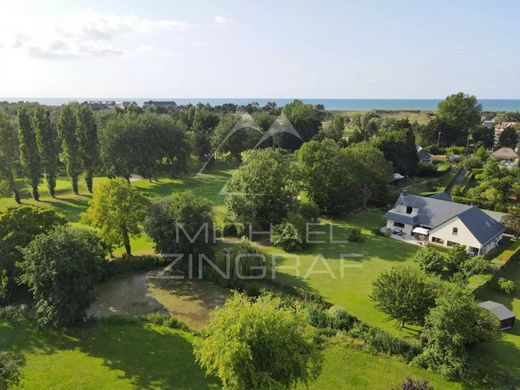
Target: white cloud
x,y
82,34
222,21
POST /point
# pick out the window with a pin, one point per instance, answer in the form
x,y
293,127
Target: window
x,y
409,210
451,243
437,240
399,224
455,231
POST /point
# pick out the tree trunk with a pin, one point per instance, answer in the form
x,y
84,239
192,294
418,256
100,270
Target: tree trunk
x,y
89,180
17,196
126,242
51,184
35,192
75,188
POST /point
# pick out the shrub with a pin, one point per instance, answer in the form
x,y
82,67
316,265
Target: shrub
x,y
309,211
383,341
474,266
354,235
412,384
426,168
430,260
506,285
457,190
340,319
61,269
164,319
134,263
290,235
10,371
246,340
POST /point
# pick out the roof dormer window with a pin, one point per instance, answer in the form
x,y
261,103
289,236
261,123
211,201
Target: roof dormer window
x,y
409,210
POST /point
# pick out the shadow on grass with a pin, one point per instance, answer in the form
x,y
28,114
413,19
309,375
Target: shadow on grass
x,y
148,356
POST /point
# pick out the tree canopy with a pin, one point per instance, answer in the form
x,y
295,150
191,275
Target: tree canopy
x,y
259,344
117,211
61,268
29,155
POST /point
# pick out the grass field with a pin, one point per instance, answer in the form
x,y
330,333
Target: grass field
x,y
320,267
106,356
350,368
129,355
503,354
71,205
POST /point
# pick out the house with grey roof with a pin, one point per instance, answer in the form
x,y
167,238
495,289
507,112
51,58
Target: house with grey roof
x,y
422,154
440,221
504,315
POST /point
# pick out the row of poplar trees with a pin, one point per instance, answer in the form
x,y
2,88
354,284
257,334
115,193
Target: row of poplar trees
x,y
40,147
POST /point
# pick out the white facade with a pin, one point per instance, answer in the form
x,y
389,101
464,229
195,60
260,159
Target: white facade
x,y
455,232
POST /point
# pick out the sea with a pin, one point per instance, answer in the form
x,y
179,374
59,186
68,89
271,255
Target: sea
x,y
330,104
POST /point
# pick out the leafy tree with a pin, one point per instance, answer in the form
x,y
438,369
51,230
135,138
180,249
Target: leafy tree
x,y
430,260
508,138
143,144
204,122
290,234
328,175
181,224
456,258
483,136
512,221
87,142
61,268
455,324
366,126
398,147
243,350
10,371
461,112
338,123
404,294
306,120
261,192
116,211
29,154
235,143
67,131
7,155
47,146
474,266
374,173
18,227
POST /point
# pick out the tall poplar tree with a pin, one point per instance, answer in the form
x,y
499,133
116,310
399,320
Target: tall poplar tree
x,y
29,154
67,131
7,155
88,142
47,145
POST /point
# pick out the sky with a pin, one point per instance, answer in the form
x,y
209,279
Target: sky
x,y
241,49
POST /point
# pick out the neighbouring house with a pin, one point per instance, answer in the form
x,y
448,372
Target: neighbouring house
x,y
504,315
502,126
489,123
507,155
423,154
443,222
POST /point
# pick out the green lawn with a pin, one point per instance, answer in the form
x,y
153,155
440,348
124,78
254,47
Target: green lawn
x,y
352,289
503,354
71,205
130,355
106,356
350,368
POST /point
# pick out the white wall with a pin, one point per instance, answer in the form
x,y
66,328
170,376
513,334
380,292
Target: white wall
x,y
407,228
463,237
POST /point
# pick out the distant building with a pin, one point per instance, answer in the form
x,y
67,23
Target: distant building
x,y
506,155
502,126
489,123
423,154
445,223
